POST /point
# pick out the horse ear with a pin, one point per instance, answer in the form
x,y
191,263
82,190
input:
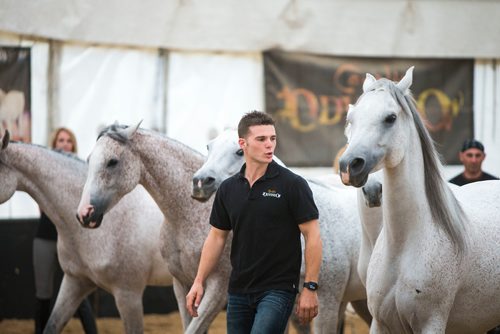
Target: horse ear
x,y
5,139
130,131
369,80
407,80
349,108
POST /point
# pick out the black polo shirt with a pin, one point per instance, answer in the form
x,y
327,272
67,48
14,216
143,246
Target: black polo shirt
x,y
460,180
266,251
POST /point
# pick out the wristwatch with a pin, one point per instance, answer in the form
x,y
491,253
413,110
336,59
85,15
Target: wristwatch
x,y
313,286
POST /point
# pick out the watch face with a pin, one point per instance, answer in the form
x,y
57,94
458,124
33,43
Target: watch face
x,y
311,285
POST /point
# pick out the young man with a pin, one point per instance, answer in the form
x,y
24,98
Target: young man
x,y
472,156
267,207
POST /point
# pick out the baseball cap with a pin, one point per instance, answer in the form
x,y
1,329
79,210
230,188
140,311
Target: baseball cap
x,y
472,143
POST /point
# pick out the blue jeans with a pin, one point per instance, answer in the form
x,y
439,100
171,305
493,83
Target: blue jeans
x,y
259,313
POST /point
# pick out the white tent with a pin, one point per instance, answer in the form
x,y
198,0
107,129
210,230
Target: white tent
x,y
191,68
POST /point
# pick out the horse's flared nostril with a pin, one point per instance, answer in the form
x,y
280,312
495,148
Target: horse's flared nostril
x,y
208,181
199,182
356,165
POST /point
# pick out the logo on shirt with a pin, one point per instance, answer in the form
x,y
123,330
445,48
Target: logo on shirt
x,y
271,193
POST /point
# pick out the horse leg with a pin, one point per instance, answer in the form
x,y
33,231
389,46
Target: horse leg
x,y
361,308
213,301
71,293
180,291
341,318
378,328
327,320
129,304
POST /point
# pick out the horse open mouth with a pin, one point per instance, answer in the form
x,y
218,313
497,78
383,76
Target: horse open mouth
x,y
200,196
92,221
202,193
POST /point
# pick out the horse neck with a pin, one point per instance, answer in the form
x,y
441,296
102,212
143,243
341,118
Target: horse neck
x,y
167,175
405,205
53,180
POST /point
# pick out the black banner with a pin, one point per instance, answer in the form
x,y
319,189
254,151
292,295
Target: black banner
x,y
15,92
308,96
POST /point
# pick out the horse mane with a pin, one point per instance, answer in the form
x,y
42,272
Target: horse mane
x,y
445,209
61,152
114,132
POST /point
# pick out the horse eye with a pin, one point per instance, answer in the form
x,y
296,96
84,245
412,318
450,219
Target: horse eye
x,y
112,163
239,152
390,119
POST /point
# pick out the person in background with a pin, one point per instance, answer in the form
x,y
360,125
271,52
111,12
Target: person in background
x,y
267,207
472,156
45,261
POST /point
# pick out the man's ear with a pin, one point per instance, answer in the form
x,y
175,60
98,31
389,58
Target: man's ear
x,y
241,142
460,154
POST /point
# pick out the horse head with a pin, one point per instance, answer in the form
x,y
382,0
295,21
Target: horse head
x,y
114,170
8,178
372,190
225,158
375,129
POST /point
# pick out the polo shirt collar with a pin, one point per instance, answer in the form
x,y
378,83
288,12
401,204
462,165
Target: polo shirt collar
x,y
271,171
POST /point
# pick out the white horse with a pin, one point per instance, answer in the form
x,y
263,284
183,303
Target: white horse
x,y
122,257
339,223
124,157
436,264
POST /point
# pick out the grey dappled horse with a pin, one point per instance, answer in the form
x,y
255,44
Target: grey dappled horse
x,y
122,257
124,157
436,263
339,223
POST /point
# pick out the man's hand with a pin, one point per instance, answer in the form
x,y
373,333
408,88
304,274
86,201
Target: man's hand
x,y
307,306
193,298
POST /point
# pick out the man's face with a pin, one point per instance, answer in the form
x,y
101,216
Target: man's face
x,y
259,144
472,159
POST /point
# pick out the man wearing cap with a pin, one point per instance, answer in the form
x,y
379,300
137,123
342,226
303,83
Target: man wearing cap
x,y
472,156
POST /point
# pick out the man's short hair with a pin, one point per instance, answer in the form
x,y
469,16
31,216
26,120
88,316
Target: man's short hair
x,y
472,143
253,118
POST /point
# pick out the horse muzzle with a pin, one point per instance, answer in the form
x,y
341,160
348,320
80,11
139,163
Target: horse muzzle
x,y
203,188
89,218
353,172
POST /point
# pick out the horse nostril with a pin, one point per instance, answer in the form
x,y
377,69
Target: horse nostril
x,y
356,165
209,180
196,182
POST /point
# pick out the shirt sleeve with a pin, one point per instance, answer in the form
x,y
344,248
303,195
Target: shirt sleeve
x,y
219,217
302,201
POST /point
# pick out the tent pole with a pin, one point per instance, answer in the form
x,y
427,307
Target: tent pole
x,y
53,112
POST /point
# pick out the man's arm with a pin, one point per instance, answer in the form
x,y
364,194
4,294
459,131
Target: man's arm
x,y
307,306
210,254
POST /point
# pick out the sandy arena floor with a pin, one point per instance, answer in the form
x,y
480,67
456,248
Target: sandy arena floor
x,y
155,324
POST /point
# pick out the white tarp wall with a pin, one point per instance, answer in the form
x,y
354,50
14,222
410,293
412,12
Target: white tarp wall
x,y
385,28
96,86
210,92
202,94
